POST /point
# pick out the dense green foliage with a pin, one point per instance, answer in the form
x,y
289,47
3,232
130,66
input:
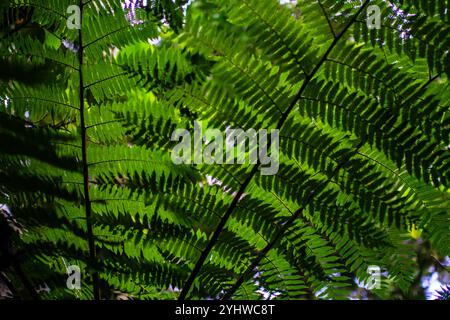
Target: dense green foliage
x,y
85,155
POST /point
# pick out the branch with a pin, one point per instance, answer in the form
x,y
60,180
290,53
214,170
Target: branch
x,y
299,211
87,200
243,187
328,19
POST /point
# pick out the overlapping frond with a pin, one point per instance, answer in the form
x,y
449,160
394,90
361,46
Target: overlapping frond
x,y
86,166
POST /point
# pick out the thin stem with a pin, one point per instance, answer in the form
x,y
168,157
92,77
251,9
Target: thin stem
x,y
299,211
283,230
243,187
328,19
87,200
